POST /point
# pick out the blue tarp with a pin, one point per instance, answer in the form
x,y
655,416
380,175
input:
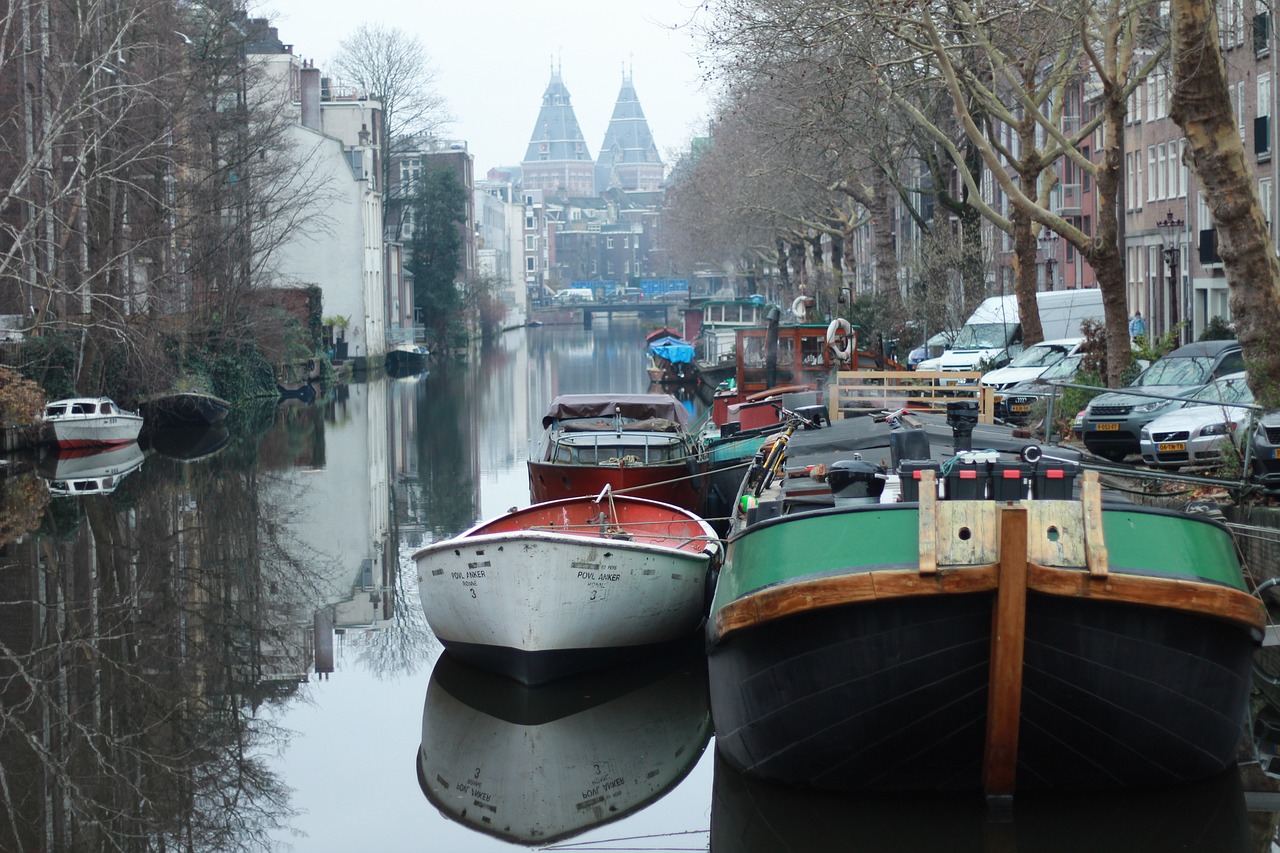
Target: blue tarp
x,y
672,349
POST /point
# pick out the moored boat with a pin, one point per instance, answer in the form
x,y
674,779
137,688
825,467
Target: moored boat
x,y
565,586
638,444
991,633
183,408
533,765
670,358
406,357
90,422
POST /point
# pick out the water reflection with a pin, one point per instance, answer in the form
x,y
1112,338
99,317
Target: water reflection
x,y
89,471
143,629
159,644
539,764
748,815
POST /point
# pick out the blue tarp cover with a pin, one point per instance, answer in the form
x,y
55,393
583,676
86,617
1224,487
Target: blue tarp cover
x,y
673,350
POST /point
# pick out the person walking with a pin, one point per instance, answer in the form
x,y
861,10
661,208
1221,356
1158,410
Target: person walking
x,y
1137,326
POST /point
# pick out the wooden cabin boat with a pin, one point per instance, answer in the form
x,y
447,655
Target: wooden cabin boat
x,y
993,631
565,586
637,444
535,765
90,422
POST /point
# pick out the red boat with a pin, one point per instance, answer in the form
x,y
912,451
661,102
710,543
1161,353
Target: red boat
x,y
637,444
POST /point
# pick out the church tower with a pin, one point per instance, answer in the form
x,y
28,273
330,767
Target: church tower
x,y
628,158
557,160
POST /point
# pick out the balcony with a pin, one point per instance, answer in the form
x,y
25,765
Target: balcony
x,y
1067,199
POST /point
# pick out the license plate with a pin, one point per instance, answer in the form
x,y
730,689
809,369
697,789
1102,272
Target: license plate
x,y
1172,447
1019,408
1275,453
1108,427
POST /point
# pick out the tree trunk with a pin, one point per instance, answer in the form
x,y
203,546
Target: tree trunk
x,y
1202,108
886,267
1024,268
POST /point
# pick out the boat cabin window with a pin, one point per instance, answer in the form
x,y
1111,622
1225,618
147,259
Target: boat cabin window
x,y
601,450
813,350
106,408
84,408
754,351
54,411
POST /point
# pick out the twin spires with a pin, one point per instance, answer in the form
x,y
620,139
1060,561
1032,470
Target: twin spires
x,y
557,159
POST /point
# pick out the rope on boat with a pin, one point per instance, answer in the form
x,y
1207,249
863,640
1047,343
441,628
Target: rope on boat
x,y
612,843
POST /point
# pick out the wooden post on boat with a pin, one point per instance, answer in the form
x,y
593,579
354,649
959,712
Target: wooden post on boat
x,y
1008,635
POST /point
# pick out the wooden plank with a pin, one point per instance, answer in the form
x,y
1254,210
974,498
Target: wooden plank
x,y
1209,600
1055,533
776,602
1094,541
1008,636
883,389
927,544
968,533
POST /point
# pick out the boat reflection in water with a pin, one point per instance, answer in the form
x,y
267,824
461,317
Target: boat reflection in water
x,y
89,471
536,764
750,815
189,443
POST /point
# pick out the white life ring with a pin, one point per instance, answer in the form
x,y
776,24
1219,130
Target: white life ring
x,y
800,306
840,339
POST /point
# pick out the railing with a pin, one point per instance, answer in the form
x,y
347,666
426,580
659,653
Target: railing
x,y
922,390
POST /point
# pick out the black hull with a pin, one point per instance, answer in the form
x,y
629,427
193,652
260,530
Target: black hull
x,y
543,667
892,696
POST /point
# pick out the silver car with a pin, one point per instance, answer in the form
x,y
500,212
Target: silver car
x,y
1113,421
1195,434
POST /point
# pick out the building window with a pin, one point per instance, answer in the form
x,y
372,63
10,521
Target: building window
x,y
1184,174
531,242
608,244
528,264
1151,173
529,222
1264,196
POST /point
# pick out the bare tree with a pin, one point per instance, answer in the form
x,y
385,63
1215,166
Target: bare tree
x,y
393,67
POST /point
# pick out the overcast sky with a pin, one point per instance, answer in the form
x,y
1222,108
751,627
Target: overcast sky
x,y
494,59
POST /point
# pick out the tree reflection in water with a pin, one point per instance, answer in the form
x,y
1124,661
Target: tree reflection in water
x,y
141,634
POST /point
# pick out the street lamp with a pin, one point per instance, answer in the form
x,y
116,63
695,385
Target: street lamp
x,y
1170,234
1049,245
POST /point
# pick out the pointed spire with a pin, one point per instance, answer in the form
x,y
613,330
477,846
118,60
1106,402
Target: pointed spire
x,y
628,157
557,159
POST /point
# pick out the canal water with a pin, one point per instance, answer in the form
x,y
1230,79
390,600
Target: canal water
x,y
227,652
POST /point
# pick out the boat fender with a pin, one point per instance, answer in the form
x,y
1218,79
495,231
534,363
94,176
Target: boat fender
x,y
839,339
800,307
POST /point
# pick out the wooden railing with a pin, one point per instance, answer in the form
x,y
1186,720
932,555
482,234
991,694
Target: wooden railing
x,y
925,390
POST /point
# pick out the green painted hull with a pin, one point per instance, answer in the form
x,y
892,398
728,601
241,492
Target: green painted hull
x,y
823,675
1139,541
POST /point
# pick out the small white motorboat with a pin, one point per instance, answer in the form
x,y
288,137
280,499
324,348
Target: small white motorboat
x,y
566,586
90,422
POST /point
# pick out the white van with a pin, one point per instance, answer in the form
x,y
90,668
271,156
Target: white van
x,y
993,334
574,294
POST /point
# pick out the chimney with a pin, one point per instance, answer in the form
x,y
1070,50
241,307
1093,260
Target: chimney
x,y
311,97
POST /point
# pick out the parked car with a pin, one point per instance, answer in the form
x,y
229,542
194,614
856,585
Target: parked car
x,y
1195,433
1113,421
1266,450
1031,362
1014,403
